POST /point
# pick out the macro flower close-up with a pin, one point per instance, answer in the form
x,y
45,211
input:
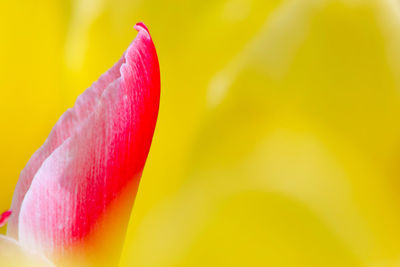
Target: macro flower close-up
x,y
74,197
229,133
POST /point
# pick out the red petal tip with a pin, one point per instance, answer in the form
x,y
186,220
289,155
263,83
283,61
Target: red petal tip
x,y
140,26
4,217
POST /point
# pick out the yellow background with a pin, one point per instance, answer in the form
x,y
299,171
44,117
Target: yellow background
x,y
278,139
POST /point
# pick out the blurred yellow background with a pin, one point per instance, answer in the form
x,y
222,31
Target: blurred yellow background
x,y
278,139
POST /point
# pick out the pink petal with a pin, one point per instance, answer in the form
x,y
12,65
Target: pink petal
x,y
86,175
4,217
64,128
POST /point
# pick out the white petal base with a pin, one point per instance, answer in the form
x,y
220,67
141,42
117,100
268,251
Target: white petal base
x,y
13,255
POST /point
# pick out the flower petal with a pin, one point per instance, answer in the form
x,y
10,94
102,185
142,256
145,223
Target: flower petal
x,y
4,217
64,128
88,182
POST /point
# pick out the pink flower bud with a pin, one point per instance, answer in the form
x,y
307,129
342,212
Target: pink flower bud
x,y
73,199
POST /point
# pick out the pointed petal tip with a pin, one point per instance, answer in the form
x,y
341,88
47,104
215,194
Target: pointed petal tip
x,y
141,26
